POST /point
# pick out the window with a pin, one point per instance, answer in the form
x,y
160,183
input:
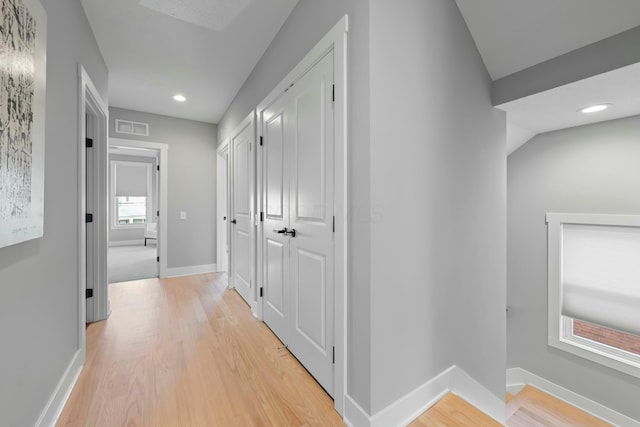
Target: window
x,y
131,210
131,203
594,288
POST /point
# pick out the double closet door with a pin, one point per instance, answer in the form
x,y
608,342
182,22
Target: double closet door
x,y
297,242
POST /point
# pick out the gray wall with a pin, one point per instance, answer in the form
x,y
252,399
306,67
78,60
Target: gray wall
x,y
589,169
192,182
307,24
124,235
438,175
39,278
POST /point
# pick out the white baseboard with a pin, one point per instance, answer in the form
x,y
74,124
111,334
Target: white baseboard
x,y
409,407
115,243
58,399
518,378
191,270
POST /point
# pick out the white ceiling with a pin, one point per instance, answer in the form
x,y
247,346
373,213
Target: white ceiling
x,y
203,49
512,35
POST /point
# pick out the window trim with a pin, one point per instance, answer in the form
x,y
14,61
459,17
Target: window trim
x,y
560,328
113,199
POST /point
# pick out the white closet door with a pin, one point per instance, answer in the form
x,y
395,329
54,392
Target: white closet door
x,y
298,198
275,244
242,207
312,210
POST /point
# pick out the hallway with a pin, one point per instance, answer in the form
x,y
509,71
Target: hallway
x,y
188,352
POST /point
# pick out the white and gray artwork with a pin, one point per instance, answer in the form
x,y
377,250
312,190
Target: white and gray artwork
x,y
17,51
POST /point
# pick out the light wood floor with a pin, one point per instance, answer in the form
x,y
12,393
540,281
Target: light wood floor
x,y
187,352
452,411
532,407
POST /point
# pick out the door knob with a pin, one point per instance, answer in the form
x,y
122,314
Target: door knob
x,y
291,232
233,221
283,231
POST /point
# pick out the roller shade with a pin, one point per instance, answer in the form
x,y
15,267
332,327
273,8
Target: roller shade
x,y
131,180
601,275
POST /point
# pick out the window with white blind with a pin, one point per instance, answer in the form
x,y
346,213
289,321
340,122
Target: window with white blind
x,y
594,288
130,194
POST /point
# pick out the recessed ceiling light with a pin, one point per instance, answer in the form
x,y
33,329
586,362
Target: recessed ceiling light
x,y
179,98
594,108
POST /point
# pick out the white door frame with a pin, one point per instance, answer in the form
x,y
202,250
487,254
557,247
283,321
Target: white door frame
x,y
336,40
90,102
222,208
163,162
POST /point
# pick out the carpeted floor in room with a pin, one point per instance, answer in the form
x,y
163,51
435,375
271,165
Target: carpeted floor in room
x,y
127,263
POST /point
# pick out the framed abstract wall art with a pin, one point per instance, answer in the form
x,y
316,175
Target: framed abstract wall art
x,y
23,40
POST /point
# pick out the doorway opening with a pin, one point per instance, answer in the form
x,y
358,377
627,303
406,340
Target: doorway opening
x,y
133,214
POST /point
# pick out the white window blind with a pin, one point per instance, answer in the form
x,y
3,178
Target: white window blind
x,y
131,180
600,275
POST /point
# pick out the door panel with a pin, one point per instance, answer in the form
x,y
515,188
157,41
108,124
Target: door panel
x,y
274,168
310,152
241,230
311,298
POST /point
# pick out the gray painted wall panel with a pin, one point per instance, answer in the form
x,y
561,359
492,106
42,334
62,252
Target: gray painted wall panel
x,y
39,278
438,174
589,169
192,182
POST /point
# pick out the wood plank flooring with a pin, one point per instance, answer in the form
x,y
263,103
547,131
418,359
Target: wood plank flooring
x,y
532,407
188,352
452,411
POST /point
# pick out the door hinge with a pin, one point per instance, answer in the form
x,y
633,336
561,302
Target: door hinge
x,y
157,213
261,292
261,216
158,168
88,293
334,356
250,147
261,141
333,95
88,142
88,218
334,224
158,259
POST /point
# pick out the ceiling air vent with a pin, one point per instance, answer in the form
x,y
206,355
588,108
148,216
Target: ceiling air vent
x,y
132,128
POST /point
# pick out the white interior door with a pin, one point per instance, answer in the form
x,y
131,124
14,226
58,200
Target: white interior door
x,y
242,208
299,200
275,244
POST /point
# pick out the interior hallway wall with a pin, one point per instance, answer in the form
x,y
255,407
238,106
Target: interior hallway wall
x,y
588,169
438,178
39,278
192,182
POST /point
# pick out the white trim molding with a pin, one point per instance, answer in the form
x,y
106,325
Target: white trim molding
x,y
55,405
191,270
115,243
409,407
517,378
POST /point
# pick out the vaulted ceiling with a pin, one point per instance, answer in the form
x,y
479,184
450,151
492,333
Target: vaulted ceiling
x,y
202,49
205,49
